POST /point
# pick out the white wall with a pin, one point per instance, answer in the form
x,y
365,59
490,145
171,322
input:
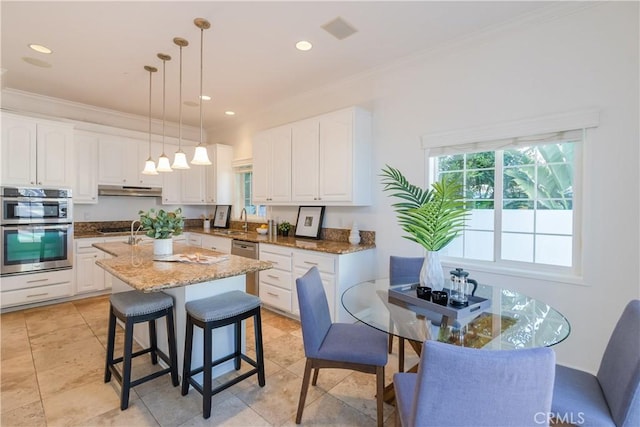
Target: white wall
x,y
587,59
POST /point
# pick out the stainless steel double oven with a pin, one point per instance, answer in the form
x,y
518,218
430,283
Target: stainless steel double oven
x,y
36,230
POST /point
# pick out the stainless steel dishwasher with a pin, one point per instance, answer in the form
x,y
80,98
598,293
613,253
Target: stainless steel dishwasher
x,y
248,250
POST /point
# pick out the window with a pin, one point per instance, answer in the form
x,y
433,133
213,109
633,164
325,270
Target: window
x,y
242,199
521,199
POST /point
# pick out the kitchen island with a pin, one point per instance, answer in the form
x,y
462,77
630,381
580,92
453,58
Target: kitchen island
x,y
134,267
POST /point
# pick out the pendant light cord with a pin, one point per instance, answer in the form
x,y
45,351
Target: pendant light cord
x,y
201,60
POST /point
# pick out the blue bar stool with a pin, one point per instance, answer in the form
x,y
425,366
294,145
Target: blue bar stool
x,y
229,308
135,307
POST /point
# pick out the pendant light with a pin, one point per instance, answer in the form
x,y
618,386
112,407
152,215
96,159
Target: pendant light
x,y
180,159
149,165
163,160
201,157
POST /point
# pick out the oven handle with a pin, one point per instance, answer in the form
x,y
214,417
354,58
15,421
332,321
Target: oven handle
x,y
38,227
36,199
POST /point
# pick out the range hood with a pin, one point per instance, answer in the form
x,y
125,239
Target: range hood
x,y
118,190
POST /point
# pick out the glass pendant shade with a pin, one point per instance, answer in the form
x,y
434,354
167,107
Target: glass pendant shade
x,y
163,164
150,167
201,157
180,160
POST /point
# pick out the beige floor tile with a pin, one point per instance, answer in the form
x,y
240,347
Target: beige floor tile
x,y
230,412
327,378
284,350
136,415
17,367
17,391
76,406
329,411
277,401
85,352
268,333
12,320
284,323
60,338
29,415
14,342
170,408
52,318
358,391
65,377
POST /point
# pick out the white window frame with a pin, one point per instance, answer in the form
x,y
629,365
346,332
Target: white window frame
x,y
507,135
239,166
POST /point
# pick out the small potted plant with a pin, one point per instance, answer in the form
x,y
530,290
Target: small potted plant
x,y
284,228
162,226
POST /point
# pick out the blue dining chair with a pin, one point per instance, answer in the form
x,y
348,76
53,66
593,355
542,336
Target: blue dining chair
x,y
402,270
458,386
612,397
336,345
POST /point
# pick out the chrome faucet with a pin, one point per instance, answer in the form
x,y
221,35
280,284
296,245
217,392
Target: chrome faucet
x,y
132,238
245,226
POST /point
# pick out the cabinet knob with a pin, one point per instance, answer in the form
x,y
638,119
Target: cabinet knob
x,y
40,183
32,182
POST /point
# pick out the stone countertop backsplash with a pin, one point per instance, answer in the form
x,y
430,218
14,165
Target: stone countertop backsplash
x,y
332,240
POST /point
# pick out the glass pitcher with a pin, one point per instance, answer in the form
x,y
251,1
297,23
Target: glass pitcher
x,y
461,288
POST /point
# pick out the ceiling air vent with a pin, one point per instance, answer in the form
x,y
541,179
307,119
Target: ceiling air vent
x,y
339,28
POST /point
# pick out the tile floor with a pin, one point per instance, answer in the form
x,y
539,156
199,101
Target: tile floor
x,y
52,361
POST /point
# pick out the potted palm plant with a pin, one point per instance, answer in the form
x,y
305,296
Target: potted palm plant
x,y
162,226
432,218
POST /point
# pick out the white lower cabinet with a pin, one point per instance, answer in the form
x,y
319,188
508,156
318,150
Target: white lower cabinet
x,y
37,287
275,284
215,243
89,276
337,271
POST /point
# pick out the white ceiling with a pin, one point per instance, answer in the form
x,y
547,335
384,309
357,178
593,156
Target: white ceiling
x,y
100,48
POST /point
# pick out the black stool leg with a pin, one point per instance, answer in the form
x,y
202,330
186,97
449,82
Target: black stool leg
x,y
153,339
257,330
171,336
111,338
238,343
188,347
206,381
126,364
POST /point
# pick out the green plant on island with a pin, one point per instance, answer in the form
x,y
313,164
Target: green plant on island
x,y
161,224
432,218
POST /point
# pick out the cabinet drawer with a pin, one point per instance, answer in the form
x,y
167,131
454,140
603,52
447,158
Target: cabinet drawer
x,y
86,245
275,297
195,240
279,278
42,293
36,280
306,260
280,262
273,249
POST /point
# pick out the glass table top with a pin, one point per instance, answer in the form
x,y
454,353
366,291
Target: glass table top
x,y
511,320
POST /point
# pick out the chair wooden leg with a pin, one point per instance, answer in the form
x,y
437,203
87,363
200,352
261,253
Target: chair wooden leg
x,y
186,365
315,376
303,390
400,354
153,339
390,336
379,394
111,337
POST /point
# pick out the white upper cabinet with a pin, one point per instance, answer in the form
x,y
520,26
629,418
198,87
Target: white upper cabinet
x,y
192,190
36,152
331,159
86,161
121,161
143,155
272,166
219,176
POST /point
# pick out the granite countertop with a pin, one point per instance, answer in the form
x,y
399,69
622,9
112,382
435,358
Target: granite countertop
x,y
135,266
327,246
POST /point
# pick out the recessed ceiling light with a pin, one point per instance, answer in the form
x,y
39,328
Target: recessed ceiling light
x,y
37,62
230,113
205,97
303,45
40,48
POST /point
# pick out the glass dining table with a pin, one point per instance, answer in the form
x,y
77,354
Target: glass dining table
x,y
507,319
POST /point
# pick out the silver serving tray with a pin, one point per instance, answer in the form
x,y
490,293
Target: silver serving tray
x,y
406,294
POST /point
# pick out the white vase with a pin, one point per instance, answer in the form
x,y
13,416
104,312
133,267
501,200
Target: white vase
x,y
431,274
163,247
354,235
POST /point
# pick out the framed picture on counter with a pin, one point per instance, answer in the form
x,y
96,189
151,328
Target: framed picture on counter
x,y
309,222
222,216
